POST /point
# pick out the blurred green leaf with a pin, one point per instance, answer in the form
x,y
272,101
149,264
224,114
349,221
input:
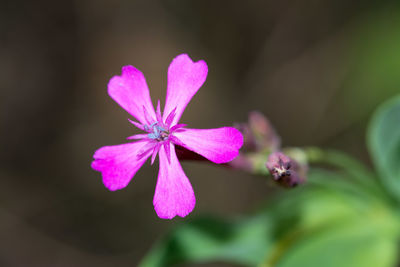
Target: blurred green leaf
x,y
352,243
384,144
206,239
337,227
357,176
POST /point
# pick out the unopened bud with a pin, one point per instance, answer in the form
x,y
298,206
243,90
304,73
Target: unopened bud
x,y
249,142
259,134
264,132
243,163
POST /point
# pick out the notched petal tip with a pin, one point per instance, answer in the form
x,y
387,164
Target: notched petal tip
x,y
169,216
165,211
118,81
118,164
109,179
174,194
130,91
130,70
185,78
185,59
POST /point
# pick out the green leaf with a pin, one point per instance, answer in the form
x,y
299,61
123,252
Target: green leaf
x,y
356,175
384,144
335,226
353,243
210,239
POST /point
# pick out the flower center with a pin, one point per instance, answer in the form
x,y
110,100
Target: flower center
x,y
157,132
282,171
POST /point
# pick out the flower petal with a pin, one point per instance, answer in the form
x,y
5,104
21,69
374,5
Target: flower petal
x,y
130,91
217,145
185,77
118,164
174,194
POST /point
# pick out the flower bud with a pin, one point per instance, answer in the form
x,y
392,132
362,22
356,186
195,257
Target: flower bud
x,y
259,135
263,131
249,142
284,170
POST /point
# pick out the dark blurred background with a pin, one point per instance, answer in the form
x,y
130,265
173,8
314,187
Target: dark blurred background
x,y
316,69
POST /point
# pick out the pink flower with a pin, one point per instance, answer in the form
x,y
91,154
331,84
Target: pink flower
x,y
118,164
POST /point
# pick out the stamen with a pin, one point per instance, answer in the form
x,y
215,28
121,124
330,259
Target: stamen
x,y
157,132
149,128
